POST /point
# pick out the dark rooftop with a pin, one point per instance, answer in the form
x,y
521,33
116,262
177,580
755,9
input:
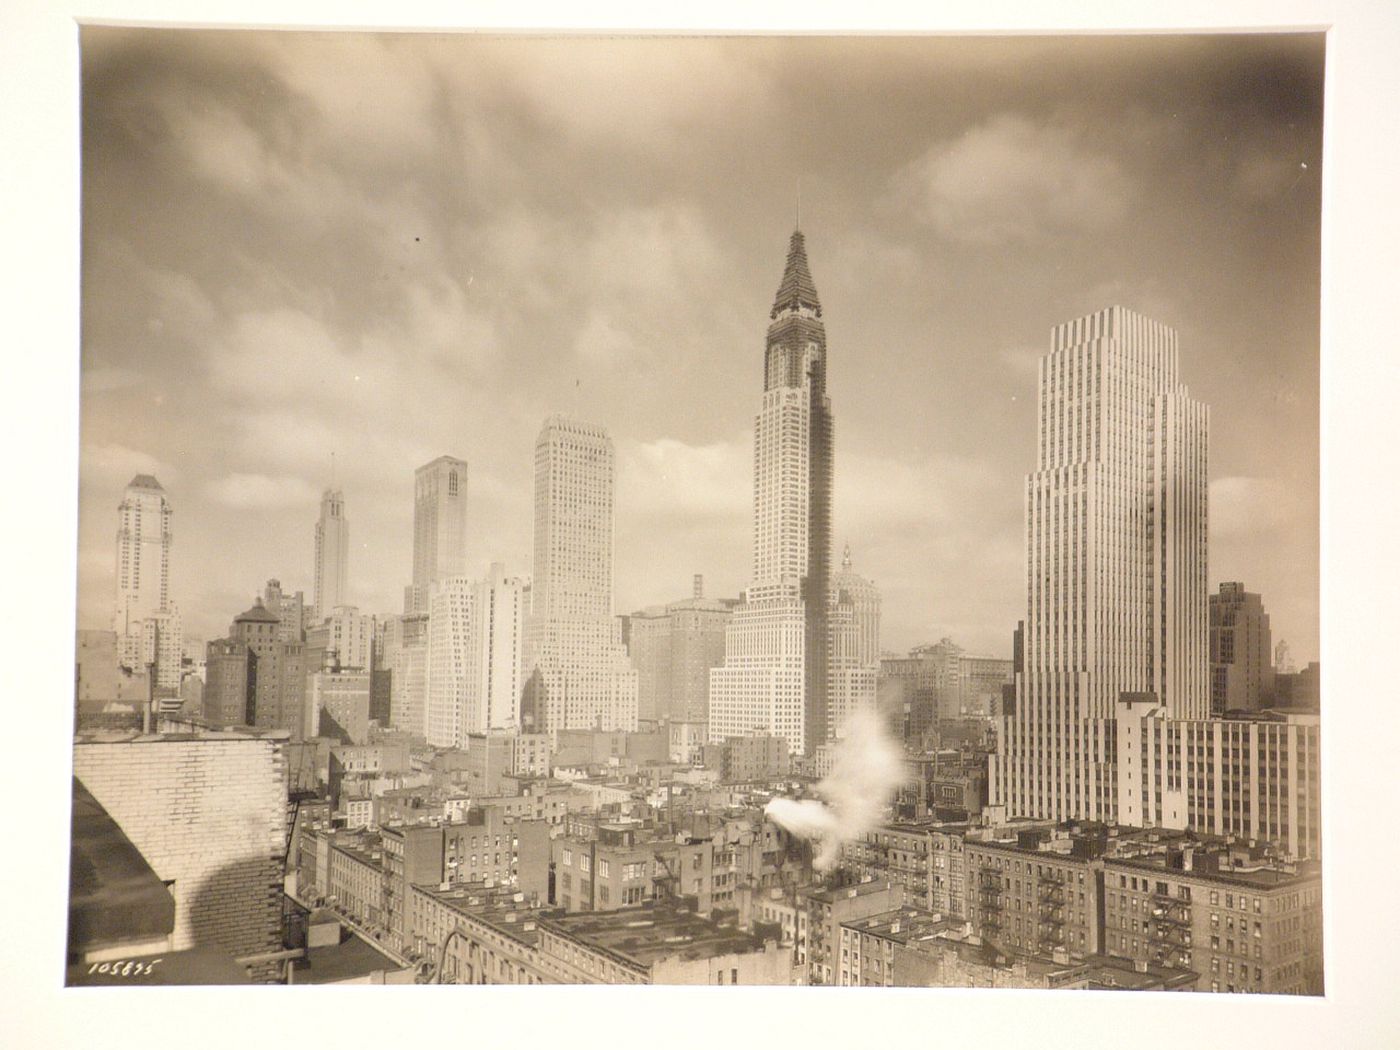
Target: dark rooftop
x,y
114,896
651,932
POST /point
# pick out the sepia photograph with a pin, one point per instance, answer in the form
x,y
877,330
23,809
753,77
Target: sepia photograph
x,y
699,510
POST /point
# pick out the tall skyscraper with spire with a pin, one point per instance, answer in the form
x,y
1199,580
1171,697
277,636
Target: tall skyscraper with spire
x,y
439,526
1116,589
778,647
332,556
577,672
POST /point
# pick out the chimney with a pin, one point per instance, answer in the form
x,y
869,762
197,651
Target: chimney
x,y
698,586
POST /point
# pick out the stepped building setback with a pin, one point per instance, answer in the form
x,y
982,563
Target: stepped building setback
x,y
780,666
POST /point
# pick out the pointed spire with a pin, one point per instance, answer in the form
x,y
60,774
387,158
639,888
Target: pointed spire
x,y
846,558
797,288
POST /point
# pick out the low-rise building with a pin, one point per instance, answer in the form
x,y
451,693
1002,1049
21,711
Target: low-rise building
x,y
1244,922
1035,894
819,940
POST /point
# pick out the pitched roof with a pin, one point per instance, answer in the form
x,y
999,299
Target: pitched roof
x,y
145,481
797,287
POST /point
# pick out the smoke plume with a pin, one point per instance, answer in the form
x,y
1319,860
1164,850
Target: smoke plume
x,y
866,768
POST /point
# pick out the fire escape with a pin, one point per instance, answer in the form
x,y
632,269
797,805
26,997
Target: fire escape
x,y
1050,897
1169,942
989,890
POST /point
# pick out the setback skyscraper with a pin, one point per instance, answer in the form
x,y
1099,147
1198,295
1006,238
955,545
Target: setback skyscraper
x,y
332,555
143,554
1241,655
577,672
439,526
778,647
1116,532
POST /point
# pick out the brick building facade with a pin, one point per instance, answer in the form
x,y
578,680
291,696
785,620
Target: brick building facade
x,y
208,811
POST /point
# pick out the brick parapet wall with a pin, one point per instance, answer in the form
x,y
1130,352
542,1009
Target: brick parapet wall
x,y
209,812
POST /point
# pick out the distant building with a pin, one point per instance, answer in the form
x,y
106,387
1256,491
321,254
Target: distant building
x,y
577,673
290,610
743,759
1241,653
943,682
339,705
332,556
1299,689
439,527
144,539
673,647
260,630
778,646
229,682
349,636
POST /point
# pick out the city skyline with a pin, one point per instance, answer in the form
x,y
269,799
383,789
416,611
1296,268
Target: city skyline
x,y
451,343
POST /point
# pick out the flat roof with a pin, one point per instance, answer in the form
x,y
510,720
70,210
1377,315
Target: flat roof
x,y
495,906
834,893
1261,878
352,957
902,925
651,932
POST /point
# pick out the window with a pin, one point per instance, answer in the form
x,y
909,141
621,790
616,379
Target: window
x,y
603,868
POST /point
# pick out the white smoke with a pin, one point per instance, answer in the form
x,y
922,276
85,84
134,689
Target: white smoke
x,y
866,768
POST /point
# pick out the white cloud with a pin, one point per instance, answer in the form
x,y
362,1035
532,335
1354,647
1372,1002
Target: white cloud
x,y
373,93
1008,180
260,492
110,467
671,478
647,93
649,251
1244,507
602,344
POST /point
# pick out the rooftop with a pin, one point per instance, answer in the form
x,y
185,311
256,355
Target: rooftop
x,y
504,908
906,924
835,893
651,932
100,736
351,958
114,896
1255,874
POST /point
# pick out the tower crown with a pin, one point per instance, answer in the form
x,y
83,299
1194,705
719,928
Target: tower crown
x,y
797,290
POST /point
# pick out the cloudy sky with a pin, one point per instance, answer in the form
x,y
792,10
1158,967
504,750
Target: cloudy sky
x,y
382,249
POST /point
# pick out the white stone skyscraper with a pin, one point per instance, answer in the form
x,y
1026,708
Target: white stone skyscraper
x,y
439,526
778,665
494,682
578,675
449,629
855,644
332,556
145,620
475,633
143,554
1116,534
